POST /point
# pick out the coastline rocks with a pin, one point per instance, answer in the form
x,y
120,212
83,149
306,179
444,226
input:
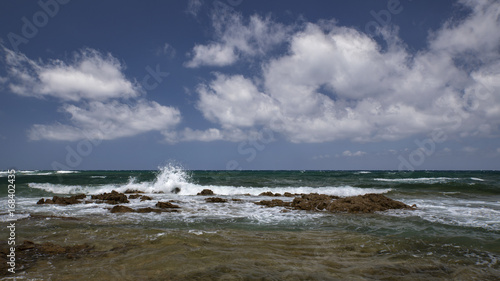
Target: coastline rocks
x,y
125,209
274,203
128,191
367,203
166,205
312,201
175,190
144,198
121,209
215,200
206,192
63,200
134,196
113,197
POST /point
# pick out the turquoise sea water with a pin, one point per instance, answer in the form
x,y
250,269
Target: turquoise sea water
x,y
454,232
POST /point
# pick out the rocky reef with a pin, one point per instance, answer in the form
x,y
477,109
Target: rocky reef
x,y
367,203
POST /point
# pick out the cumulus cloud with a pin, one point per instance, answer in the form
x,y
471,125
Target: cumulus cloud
x,y
105,121
338,83
236,39
90,76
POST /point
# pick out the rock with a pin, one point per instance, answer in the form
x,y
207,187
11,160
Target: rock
x,y
206,192
144,198
134,196
121,209
367,203
236,200
166,205
267,193
312,202
128,191
215,200
26,245
148,210
63,200
175,190
288,194
112,198
273,203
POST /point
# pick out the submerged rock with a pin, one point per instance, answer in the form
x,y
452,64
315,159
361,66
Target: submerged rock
x,y
175,190
134,196
144,198
121,209
166,205
206,192
215,200
63,200
125,209
113,197
273,203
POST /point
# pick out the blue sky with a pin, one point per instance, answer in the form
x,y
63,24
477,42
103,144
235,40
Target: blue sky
x,y
239,84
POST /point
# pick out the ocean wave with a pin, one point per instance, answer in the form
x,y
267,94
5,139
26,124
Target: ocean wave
x,y
171,177
464,213
419,180
476,179
67,172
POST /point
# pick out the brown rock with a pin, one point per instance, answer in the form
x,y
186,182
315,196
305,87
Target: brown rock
x,y
175,190
273,203
121,209
63,200
134,196
367,203
267,193
144,198
288,194
206,192
166,205
312,202
112,198
215,200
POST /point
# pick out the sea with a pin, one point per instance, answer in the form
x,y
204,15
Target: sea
x,y
453,234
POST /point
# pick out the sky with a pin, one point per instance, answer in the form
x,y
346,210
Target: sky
x,y
250,85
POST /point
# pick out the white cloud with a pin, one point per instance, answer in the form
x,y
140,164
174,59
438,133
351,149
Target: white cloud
x,y
235,102
235,39
338,83
358,153
106,121
211,134
90,76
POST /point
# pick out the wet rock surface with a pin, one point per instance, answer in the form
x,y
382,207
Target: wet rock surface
x,y
29,252
206,192
215,200
75,199
125,209
166,205
367,203
113,197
